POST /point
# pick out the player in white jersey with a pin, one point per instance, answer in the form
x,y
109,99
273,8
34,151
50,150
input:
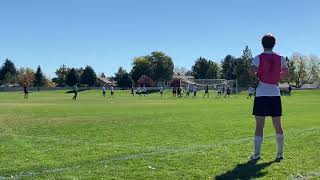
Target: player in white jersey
x,y
250,92
219,89
112,91
194,89
161,91
187,90
75,91
103,91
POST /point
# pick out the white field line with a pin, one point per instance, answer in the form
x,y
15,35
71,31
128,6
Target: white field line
x,y
156,152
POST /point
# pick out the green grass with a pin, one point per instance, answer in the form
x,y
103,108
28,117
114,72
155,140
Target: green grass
x,y
50,136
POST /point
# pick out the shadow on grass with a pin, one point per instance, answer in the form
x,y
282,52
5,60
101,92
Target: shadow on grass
x,y
246,171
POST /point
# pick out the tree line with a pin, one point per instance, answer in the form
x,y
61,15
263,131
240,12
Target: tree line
x,y
157,67
10,76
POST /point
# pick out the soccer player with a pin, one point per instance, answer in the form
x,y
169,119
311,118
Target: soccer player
x,y
228,92
219,91
139,90
179,90
194,89
161,91
112,91
174,92
187,90
269,69
206,92
25,90
75,91
145,91
250,92
289,90
132,90
103,91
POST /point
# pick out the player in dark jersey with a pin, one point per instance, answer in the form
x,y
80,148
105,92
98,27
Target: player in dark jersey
x,y
228,92
75,91
179,90
25,90
206,92
174,92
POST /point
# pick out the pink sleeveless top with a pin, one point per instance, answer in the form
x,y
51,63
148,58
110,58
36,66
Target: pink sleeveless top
x,y
269,68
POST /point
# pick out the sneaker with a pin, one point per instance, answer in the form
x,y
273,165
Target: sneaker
x,y
279,158
255,157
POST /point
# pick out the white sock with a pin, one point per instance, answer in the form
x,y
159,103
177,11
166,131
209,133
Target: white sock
x,y
257,145
280,139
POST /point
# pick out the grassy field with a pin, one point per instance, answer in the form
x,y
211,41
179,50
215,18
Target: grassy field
x,y
125,137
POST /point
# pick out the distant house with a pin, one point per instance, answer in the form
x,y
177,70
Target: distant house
x,y
106,81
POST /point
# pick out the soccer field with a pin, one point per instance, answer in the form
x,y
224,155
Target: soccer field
x,y
125,137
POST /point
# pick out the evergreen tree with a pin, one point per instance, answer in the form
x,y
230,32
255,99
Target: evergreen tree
x,y
88,76
243,68
72,78
39,79
205,69
8,72
123,78
228,68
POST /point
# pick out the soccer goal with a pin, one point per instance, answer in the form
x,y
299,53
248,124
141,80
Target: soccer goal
x,y
212,83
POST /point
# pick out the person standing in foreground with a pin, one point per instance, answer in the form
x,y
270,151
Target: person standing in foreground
x,y
25,90
75,91
269,69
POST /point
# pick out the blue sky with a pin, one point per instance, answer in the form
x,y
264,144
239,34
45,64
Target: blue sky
x,y
107,34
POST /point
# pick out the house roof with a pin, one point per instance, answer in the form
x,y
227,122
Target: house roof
x,y
106,80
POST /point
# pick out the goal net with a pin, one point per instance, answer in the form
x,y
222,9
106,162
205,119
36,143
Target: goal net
x,y
212,83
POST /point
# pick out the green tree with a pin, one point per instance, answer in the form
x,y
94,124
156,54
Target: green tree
x,y
162,66
72,78
8,72
229,68
200,68
88,76
123,78
157,65
243,68
61,75
213,71
141,66
10,78
39,79
205,69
